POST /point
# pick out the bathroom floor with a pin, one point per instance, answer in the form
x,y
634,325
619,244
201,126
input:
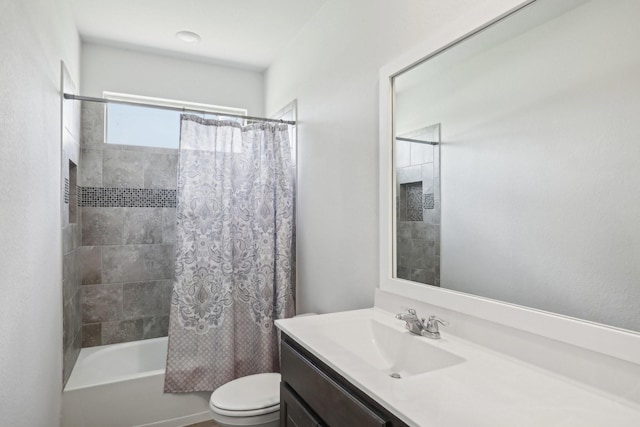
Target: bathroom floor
x,y
204,424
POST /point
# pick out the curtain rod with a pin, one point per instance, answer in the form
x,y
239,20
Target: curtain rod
x,y
421,141
168,107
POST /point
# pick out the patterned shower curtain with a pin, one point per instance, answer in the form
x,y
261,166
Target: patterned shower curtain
x,y
234,252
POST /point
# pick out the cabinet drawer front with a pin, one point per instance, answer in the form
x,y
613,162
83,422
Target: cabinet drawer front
x,y
335,405
293,412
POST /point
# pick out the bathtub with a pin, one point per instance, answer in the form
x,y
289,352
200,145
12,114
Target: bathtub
x,y
121,385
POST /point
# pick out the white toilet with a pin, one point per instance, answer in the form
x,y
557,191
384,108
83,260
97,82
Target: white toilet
x,y
253,400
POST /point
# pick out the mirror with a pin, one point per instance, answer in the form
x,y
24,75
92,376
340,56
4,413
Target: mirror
x,y
517,162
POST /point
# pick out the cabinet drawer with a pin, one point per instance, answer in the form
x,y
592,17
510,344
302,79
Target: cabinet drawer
x,y
334,404
294,412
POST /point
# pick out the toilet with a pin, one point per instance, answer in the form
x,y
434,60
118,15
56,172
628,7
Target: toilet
x,y
253,400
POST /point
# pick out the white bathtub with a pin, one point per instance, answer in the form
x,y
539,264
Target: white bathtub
x,y
120,385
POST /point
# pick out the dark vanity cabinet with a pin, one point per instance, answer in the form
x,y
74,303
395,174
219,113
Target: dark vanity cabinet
x,y
312,394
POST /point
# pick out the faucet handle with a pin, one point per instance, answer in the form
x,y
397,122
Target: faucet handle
x,y
431,329
434,319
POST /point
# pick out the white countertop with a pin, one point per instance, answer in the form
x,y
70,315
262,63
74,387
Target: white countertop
x,y
486,389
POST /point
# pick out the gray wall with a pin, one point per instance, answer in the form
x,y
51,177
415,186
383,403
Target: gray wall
x,y
128,227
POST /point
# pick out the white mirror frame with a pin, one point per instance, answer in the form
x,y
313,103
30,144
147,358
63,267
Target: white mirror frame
x,y
619,343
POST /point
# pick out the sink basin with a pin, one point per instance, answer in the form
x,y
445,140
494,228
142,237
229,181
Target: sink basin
x,y
395,352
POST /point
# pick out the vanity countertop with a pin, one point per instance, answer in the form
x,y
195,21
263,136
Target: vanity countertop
x,y
484,388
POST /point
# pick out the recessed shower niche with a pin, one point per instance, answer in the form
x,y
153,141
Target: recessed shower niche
x,y
417,155
71,191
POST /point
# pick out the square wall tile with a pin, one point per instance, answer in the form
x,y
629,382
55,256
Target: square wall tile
x,y
102,226
92,129
91,335
122,264
168,225
90,168
143,225
101,303
158,262
124,331
146,299
91,261
161,171
123,169
154,327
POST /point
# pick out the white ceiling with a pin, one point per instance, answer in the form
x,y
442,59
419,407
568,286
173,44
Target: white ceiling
x,y
248,33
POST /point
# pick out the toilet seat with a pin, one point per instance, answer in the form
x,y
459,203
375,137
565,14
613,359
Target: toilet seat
x,y
249,396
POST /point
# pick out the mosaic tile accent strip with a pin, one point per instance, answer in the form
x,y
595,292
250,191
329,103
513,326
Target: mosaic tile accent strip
x,y
429,202
100,197
66,191
414,201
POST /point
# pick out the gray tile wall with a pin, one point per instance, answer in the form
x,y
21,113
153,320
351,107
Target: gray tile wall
x,y
127,251
71,231
418,212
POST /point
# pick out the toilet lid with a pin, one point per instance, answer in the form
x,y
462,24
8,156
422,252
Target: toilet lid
x,y
250,393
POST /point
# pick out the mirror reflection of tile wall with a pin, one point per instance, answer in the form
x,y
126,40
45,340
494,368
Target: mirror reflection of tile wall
x,y
418,206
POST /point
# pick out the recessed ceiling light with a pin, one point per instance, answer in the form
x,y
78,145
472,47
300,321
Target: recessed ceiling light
x,y
188,37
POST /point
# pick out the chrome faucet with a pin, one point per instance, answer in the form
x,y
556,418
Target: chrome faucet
x,y
418,326
414,324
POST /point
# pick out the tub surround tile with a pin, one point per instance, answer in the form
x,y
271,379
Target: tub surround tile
x,y
70,275
126,226
123,169
405,229
101,303
102,226
76,301
143,225
92,125
160,171
169,225
71,236
68,322
91,262
136,263
91,171
154,327
124,331
68,239
91,334
146,299
122,264
157,262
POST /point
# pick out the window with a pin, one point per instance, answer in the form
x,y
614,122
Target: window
x,y
154,127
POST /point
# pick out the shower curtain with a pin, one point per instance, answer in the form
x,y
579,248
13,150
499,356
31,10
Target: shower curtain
x,y
234,252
